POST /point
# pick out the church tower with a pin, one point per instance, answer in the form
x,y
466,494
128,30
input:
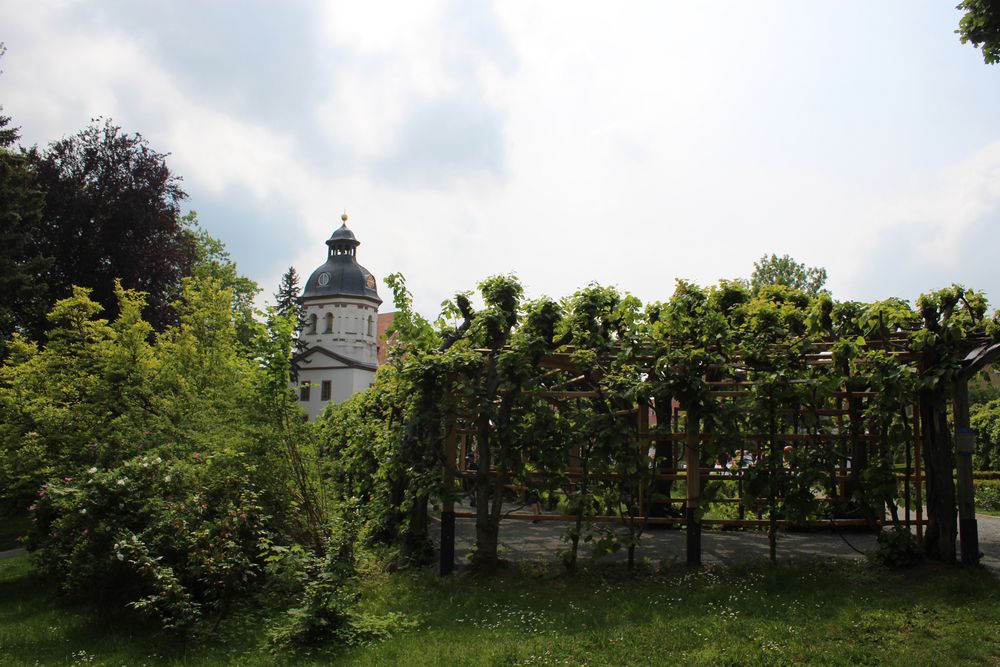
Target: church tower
x,y
340,337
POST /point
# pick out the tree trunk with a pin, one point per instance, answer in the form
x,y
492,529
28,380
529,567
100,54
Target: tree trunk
x,y
487,529
416,548
859,453
942,524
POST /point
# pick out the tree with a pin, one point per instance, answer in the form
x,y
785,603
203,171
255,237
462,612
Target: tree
x,y
212,261
287,305
786,271
21,264
286,299
112,210
83,399
981,25
949,316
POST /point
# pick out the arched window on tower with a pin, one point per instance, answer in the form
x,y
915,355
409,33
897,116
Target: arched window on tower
x,y
329,323
311,329
370,323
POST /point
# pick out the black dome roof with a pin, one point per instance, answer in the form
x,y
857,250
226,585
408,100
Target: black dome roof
x,y
341,275
344,234
344,277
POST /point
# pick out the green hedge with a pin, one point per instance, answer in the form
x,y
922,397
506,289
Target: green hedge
x,y
986,421
987,494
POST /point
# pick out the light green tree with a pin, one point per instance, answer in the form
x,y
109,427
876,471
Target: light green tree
x,y
83,399
784,270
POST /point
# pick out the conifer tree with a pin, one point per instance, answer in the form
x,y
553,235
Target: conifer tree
x,y
287,305
21,264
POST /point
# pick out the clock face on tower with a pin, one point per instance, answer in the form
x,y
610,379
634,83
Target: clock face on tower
x,y
370,282
324,279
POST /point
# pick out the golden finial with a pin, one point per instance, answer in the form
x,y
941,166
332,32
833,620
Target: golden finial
x,y
344,217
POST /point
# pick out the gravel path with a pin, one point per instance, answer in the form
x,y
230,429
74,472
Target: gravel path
x,y
523,540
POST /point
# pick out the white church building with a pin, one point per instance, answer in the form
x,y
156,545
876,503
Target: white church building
x,y
340,337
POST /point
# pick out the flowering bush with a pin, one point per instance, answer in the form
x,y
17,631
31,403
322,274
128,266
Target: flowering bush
x,y
172,538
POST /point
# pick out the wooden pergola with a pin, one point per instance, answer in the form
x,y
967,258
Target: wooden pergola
x,y
842,415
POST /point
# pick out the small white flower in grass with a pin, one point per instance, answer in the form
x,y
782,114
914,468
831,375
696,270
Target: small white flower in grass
x,y
83,511
93,470
167,478
122,481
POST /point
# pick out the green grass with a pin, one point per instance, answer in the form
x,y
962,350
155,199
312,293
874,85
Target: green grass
x,y
814,613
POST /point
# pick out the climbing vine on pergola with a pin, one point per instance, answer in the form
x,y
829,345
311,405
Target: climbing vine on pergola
x,y
786,408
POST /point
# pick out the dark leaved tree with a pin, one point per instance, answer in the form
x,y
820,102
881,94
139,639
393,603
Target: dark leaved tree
x,y
111,211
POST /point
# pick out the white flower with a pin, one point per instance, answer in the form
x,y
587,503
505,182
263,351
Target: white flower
x,y
92,470
121,482
83,511
167,478
121,556
159,460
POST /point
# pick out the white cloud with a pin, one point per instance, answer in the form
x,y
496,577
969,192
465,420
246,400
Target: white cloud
x,y
568,142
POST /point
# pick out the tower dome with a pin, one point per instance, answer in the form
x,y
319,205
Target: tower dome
x,y
341,275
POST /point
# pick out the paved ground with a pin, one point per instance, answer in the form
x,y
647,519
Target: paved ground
x,y
989,541
523,540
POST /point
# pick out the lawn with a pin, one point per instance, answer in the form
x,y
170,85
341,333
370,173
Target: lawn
x,y
825,613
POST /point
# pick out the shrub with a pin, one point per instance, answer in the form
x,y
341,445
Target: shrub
x,y
172,539
896,547
326,603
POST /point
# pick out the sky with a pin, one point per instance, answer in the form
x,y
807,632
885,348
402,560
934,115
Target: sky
x,y
629,144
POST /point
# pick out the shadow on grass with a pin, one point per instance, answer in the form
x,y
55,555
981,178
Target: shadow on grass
x,y
814,611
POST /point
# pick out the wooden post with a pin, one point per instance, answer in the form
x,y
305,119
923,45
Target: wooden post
x,y
692,522
907,482
918,465
965,445
448,505
841,469
644,444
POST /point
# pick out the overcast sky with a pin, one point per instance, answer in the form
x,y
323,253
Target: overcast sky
x,y
567,142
